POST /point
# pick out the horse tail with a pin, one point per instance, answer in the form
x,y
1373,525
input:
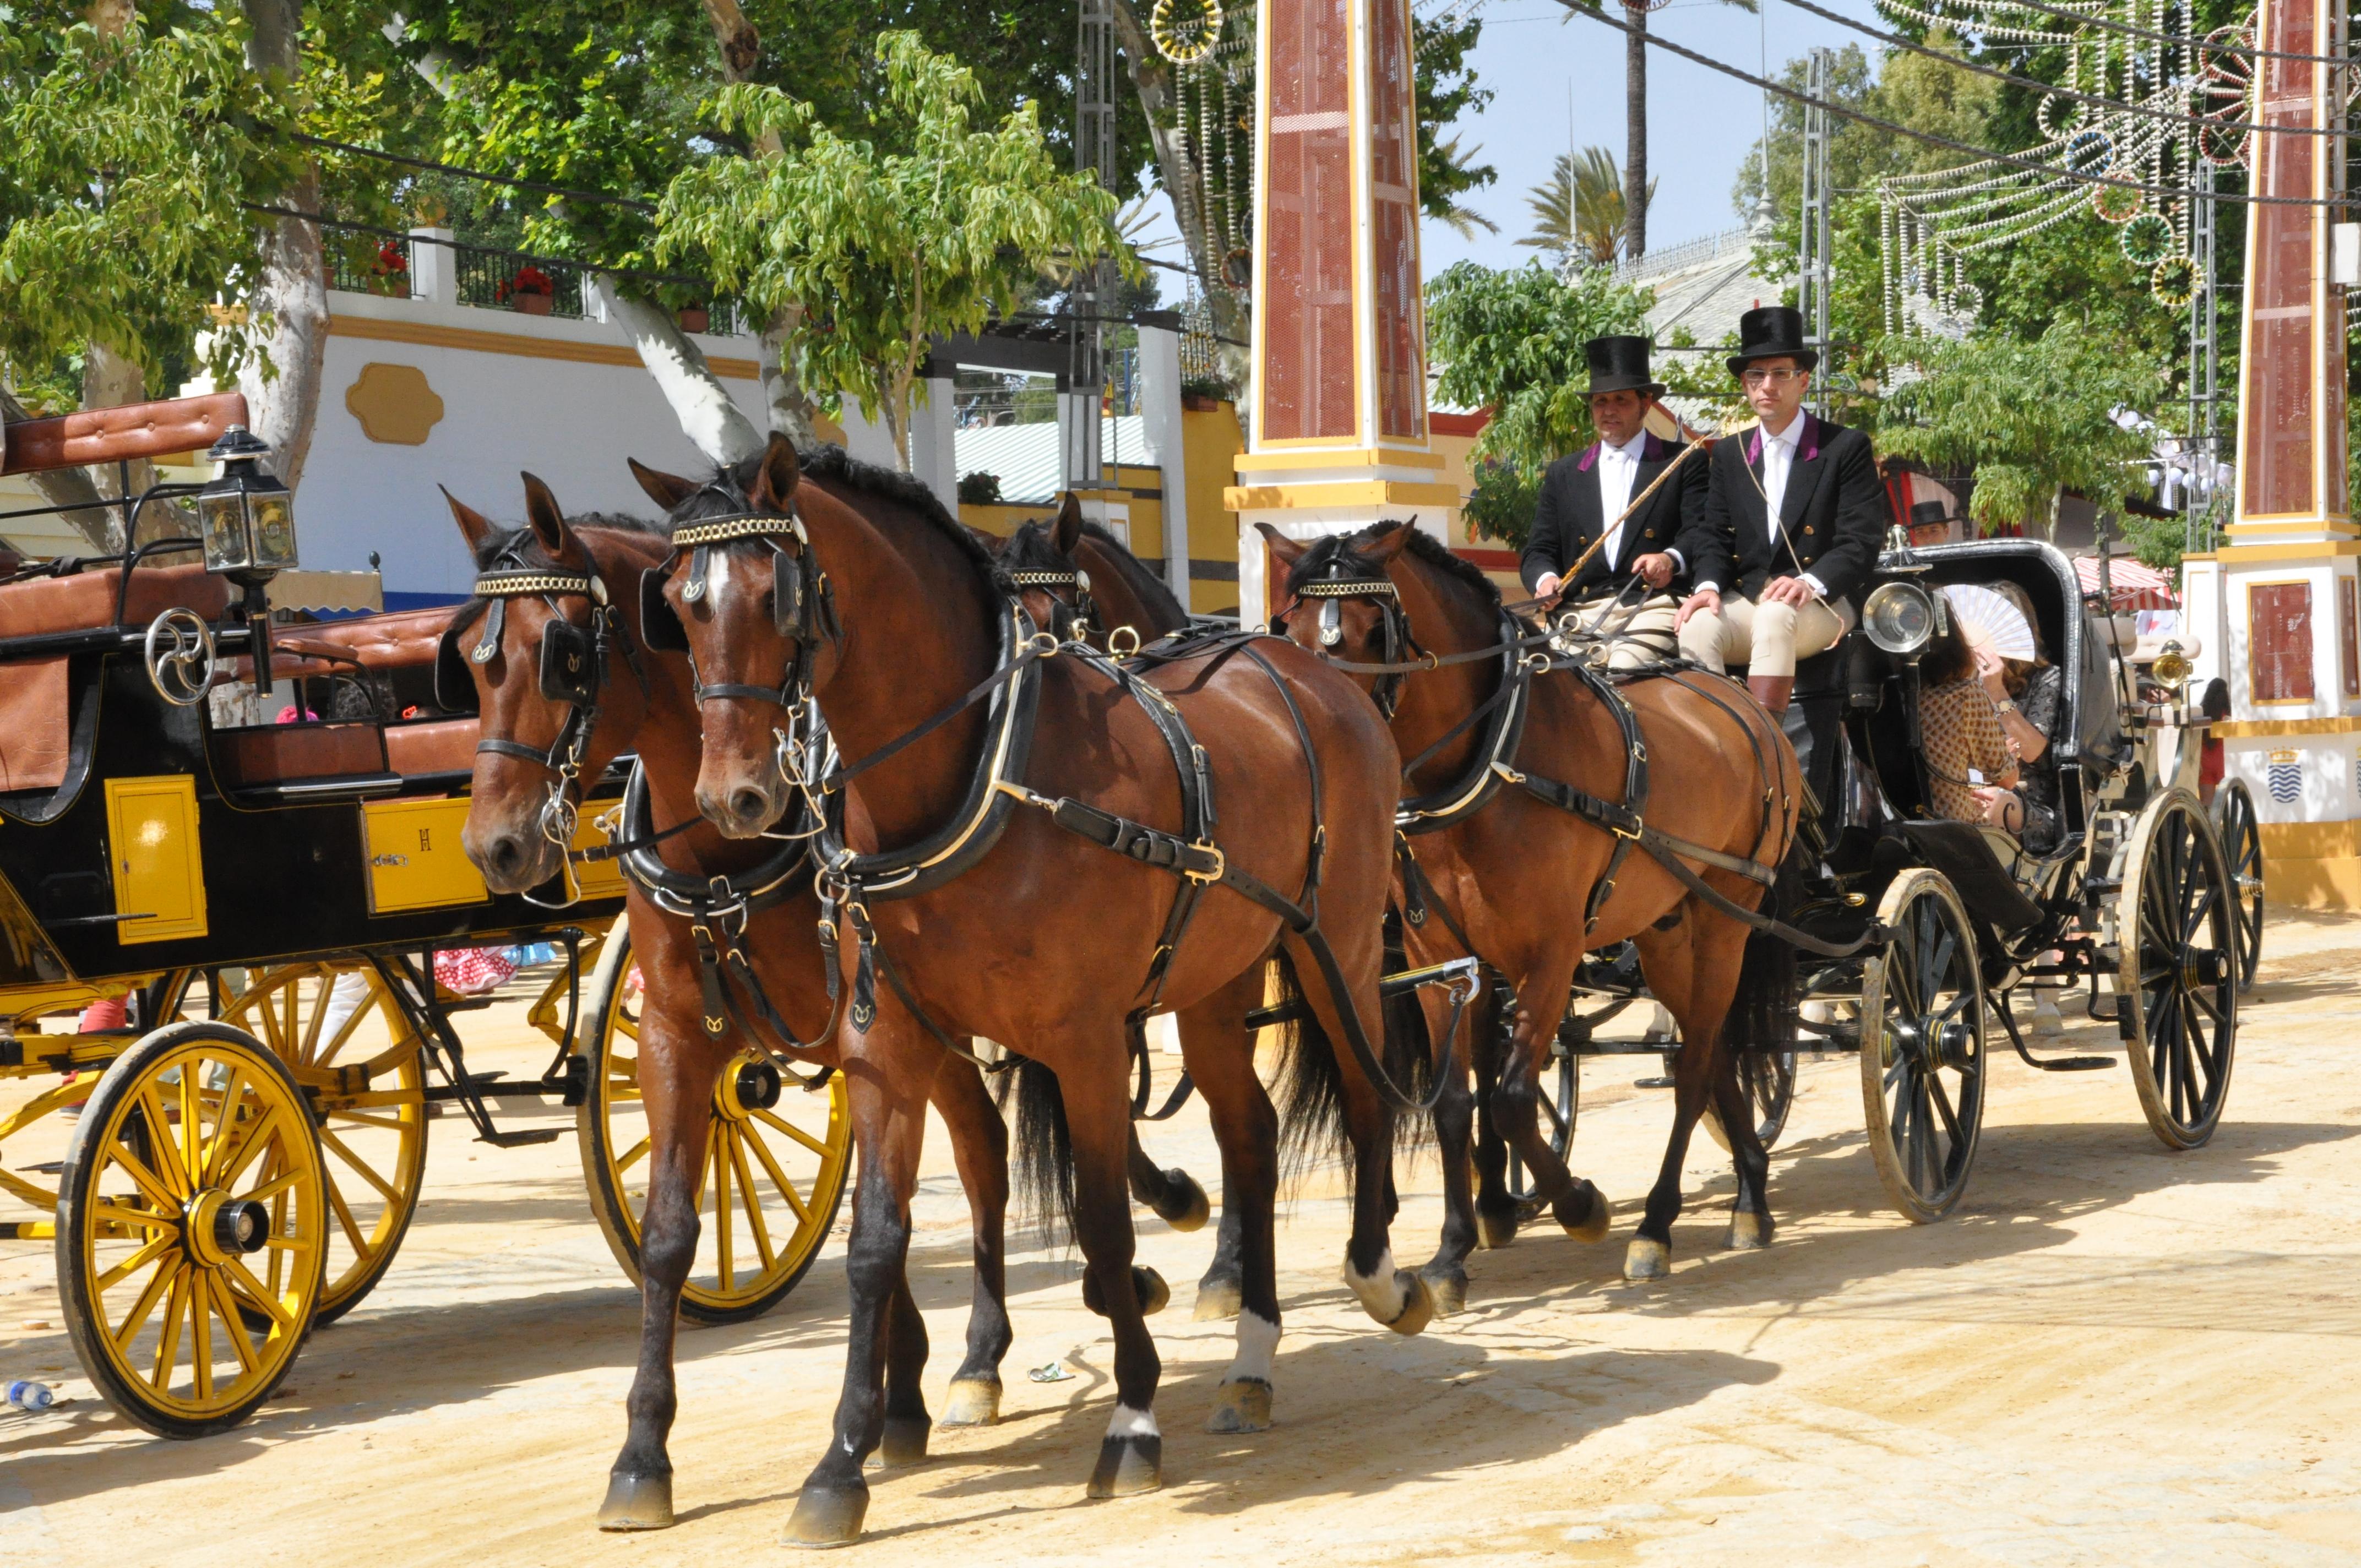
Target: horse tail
x,y
1762,1012
1311,1081
1043,1159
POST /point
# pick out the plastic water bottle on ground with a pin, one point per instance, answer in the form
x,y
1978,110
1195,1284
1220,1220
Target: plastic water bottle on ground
x,y
30,1397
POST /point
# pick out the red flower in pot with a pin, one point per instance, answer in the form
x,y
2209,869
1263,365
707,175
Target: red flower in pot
x,y
531,290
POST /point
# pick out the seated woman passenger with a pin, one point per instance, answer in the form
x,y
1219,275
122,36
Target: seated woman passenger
x,y
2029,696
1969,769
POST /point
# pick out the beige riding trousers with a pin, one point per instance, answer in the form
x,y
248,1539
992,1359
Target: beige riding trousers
x,y
1766,638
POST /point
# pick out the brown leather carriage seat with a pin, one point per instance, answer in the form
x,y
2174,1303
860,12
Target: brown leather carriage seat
x,y
397,640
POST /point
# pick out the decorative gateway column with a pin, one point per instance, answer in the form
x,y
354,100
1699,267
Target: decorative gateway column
x,y
2276,605
1338,432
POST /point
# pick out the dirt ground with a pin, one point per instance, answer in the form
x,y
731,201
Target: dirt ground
x,y
2109,1354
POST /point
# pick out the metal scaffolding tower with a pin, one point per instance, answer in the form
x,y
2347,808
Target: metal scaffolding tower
x,y
1815,266
1094,89
2204,441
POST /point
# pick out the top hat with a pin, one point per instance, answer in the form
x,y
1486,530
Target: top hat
x,y
1620,365
1770,332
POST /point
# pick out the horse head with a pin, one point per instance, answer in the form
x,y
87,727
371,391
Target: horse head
x,y
1343,602
1040,559
549,654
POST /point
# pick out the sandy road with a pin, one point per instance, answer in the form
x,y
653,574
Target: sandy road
x,y
2110,1354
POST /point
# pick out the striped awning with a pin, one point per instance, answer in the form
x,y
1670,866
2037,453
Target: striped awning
x,y
2135,587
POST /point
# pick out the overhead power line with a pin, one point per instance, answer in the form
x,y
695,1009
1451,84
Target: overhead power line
x,y
1984,154
632,273
427,163
2114,105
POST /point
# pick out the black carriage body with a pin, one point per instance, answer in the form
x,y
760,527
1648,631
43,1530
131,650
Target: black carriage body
x,y
276,825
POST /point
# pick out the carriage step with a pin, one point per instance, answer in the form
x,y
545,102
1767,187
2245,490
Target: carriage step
x,y
522,1137
2072,1064
1657,1083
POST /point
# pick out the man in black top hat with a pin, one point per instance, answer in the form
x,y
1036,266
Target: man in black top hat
x,y
1612,487
1792,518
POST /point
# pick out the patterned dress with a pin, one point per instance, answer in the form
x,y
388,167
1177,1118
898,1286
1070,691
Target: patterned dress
x,y
1964,733
2043,702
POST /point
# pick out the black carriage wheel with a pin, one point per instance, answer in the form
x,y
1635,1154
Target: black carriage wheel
x,y
2179,930
1561,1104
1922,1046
1768,1080
2242,847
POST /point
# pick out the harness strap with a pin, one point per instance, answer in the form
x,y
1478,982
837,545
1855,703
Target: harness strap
x,y
772,694
1039,646
1622,821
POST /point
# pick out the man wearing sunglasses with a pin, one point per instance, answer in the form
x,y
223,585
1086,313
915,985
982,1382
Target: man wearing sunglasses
x,y
1789,532
1618,487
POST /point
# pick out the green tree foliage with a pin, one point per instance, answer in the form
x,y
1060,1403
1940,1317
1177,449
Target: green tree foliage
x,y
1510,340
1579,213
123,162
929,227
2027,417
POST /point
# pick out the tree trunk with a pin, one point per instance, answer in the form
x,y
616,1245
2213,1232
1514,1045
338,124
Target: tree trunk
x,y
894,408
790,413
68,487
707,415
1635,135
290,310
109,381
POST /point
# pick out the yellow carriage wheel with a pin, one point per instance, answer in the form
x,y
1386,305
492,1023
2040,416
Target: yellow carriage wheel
x,y
773,1173
192,1221
342,1033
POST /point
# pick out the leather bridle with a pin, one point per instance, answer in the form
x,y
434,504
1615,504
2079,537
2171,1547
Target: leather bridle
x,y
1395,639
1070,619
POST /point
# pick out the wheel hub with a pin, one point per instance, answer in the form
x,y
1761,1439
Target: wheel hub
x,y
2202,968
221,1227
750,1087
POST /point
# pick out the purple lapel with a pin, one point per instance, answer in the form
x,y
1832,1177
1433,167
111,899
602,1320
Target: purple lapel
x,y
1589,456
1755,447
1807,440
1654,451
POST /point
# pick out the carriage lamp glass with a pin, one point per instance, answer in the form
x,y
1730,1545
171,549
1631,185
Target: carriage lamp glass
x,y
246,516
1899,617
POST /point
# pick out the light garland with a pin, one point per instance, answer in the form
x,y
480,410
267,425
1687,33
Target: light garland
x,y
1185,31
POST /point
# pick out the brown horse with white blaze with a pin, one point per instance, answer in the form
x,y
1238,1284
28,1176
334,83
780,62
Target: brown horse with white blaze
x,y
975,748
582,578
1503,848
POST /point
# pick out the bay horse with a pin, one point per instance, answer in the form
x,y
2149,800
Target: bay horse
x,y
832,583
641,699
1516,829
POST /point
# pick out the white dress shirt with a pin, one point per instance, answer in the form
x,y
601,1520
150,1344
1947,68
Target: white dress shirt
x,y
1778,462
1618,470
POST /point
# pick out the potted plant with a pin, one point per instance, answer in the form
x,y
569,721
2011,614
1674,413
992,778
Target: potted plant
x,y
695,318
530,292
389,274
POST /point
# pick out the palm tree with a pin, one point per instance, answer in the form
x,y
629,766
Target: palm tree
x,y
1581,212
1635,115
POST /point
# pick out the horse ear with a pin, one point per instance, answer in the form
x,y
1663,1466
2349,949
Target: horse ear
x,y
474,526
1066,532
543,512
1386,541
1288,551
775,481
667,490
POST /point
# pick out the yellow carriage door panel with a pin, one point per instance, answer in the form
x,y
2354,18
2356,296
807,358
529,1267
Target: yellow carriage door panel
x,y
415,858
158,871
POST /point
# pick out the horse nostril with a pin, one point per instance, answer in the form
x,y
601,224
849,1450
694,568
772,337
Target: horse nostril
x,y
506,855
748,804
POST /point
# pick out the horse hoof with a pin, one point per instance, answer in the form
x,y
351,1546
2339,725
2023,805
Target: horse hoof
x,y
1495,1228
1449,1286
1146,1285
1127,1466
1647,1260
1748,1232
1242,1405
826,1518
1217,1299
903,1444
1417,1304
975,1402
636,1502
1584,1221
1193,1209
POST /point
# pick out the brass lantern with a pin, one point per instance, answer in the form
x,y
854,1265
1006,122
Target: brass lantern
x,y
246,516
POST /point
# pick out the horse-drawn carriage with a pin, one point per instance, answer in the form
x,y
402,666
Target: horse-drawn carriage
x,y
237,1159
1929,928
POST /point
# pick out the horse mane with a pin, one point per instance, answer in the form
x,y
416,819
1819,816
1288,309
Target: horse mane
x,y
1345,548
521,545
1153,590
837,469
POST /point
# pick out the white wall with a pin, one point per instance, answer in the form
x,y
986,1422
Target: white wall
x,y
572,423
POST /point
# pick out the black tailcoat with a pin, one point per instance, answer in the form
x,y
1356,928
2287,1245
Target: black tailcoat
x,y
1569,517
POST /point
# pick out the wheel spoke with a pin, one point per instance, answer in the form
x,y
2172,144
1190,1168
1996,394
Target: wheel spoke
x,y
790,1129
130,1219
344,1214
751,1201
225,1122
1942,1103
261,1132
159,1142
282,1320
239,1343
631,1157
779,1179
136,1262
722,1226
150,1185
386,1189
161,1281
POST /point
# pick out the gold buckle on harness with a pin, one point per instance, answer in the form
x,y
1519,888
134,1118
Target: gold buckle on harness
x,y
1221,865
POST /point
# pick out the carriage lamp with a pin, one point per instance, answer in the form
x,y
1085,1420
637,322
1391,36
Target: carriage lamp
x,y
1900,617
246,516
2171,666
